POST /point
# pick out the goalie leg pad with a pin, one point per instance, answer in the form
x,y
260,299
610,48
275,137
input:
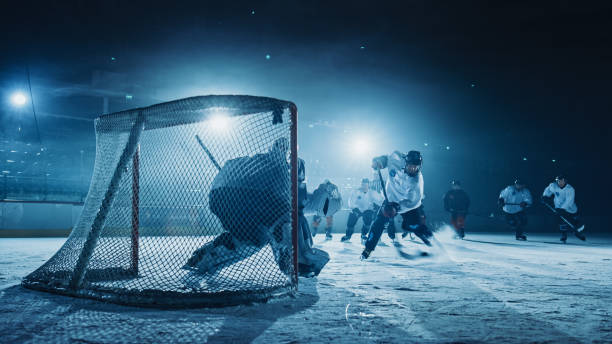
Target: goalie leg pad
x,y
220,257
314,263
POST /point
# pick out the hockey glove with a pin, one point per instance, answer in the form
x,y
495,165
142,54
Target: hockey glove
x,y
548,200
390,209
379,162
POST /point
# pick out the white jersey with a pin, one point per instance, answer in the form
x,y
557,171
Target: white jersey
x,y
513,197
401,187
564,197
364,200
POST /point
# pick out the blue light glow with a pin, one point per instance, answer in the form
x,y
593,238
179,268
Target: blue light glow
x,y
18,99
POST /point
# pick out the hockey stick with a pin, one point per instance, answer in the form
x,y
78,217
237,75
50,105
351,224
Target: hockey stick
x,y
559,215
384,191
210,156
382,184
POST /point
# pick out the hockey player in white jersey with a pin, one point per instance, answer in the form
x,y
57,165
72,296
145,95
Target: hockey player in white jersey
x,y
562,196
404,189
325,201
364,202
514,199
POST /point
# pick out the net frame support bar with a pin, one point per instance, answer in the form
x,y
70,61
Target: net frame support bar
x,y
127,155
294,190
135,209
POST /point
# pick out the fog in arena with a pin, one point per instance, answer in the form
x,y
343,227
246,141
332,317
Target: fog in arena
x,y
506,102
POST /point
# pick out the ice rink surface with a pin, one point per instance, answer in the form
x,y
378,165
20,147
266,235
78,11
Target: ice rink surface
x,y
486,289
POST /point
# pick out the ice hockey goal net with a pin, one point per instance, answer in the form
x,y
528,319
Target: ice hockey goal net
x,y
192,202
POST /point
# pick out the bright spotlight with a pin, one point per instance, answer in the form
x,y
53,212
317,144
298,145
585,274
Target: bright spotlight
x,y
18,99
220,122
361,147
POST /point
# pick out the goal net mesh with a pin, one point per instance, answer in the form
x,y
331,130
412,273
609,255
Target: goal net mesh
x,y
191,202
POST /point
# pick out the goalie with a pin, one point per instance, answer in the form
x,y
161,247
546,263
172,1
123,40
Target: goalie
x,y
251,198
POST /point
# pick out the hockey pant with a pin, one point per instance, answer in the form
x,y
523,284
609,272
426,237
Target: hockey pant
x,y
458,222
413,220
352,221
316,221
517,222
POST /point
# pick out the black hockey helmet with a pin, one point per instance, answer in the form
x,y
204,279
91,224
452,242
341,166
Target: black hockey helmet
x,y
518,182
560,177
414,158
455,182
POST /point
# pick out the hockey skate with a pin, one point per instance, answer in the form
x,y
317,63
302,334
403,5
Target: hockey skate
x,y
365,255
406,233
345,239
459,234
521,238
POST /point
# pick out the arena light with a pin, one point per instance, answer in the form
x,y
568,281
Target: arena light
x,y
220,121
361,147
18,99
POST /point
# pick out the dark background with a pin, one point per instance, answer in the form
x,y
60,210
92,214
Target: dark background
x,y
488,90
